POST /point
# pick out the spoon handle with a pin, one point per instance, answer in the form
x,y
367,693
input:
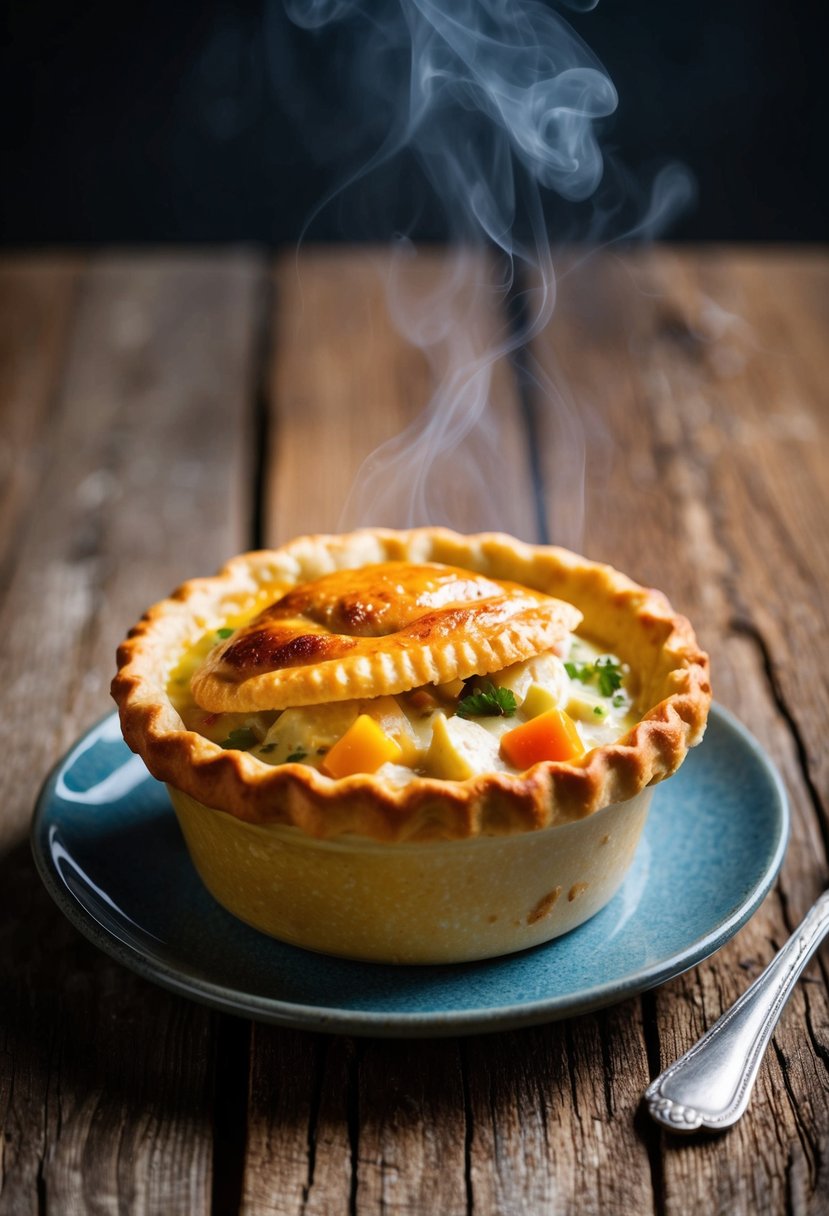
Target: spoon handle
x,y
710,1086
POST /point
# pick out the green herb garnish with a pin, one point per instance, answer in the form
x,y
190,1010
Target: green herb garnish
x,y
267,748
580,671
610,676
599,711
295,757
608,671
225,632
619,700
488,702
239,739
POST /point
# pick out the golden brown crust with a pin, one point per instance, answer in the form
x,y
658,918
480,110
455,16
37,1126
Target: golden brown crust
x,y
637,624
375,631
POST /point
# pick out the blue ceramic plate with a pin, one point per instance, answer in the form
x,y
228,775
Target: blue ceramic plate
x,y
108,847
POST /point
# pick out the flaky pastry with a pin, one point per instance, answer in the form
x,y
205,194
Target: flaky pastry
x,y
441,607
382,629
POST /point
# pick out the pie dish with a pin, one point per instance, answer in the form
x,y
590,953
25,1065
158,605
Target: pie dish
x,y
353,731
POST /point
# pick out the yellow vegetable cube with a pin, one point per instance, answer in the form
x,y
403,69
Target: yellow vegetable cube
x,y
538,700
362,749
460,749
583,708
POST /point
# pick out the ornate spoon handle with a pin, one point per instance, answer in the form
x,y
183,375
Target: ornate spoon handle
x,y
711,1084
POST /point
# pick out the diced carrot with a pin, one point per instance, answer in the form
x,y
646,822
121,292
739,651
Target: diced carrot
x,y
550,736
362,749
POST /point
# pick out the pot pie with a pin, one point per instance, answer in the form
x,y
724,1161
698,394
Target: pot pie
x,y
412,746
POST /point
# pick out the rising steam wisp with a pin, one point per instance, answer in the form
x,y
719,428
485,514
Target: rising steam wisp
x,y
498,100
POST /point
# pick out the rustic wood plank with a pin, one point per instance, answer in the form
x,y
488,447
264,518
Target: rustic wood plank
x,y
412,1129
775,492
702,373
288,1117
626,355
345,382
672,364
552,1112
776,604
36,296
106,1082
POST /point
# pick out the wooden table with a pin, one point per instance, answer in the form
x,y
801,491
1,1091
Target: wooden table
x,y
159,412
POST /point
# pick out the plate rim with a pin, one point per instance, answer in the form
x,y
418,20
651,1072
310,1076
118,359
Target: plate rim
x,y
397,1024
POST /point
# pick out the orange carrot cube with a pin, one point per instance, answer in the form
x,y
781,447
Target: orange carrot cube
x,y
362,749
550,736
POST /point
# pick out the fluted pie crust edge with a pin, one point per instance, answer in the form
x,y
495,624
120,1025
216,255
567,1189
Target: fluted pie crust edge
x,y
634,622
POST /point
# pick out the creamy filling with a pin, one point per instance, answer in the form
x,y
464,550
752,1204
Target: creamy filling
x,y
570,701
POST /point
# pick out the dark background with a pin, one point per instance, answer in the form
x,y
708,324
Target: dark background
x,y
222,122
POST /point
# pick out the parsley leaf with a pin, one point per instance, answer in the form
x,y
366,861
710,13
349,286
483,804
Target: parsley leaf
x,y
580,671
295,757
488,702
225,632
610,676
267,748
239,739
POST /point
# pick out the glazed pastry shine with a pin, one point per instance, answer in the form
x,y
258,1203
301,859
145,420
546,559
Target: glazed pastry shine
x,y
460,769
431,737
380,629
489,730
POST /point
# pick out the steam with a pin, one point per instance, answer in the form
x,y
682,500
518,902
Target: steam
x,y
497,101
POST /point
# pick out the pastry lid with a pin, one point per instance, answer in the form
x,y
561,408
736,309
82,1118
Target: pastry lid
x,y
635,622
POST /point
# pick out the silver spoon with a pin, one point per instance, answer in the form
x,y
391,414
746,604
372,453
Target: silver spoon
x,y
710,1086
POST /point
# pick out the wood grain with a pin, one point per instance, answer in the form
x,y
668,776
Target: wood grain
x,y
159,413
106,1082
36,299
344,381
356,435
553,1117
686,430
